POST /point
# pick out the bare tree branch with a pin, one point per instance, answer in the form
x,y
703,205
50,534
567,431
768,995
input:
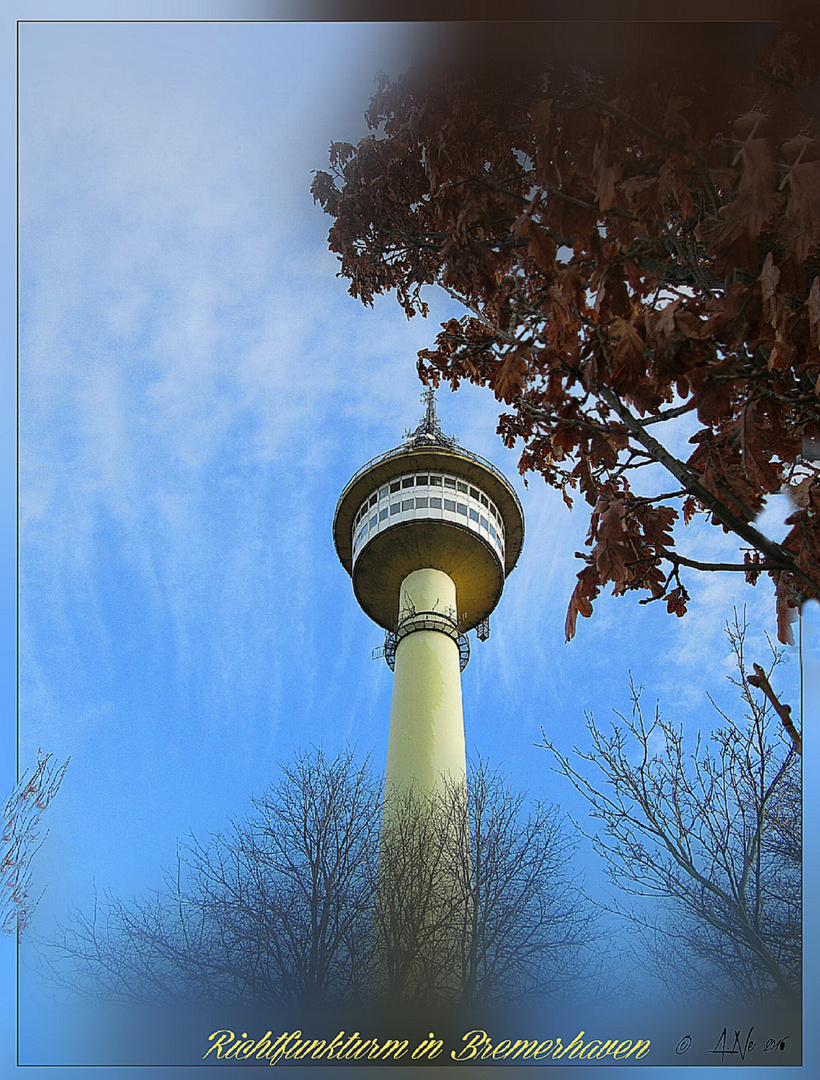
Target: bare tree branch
x,y
714,833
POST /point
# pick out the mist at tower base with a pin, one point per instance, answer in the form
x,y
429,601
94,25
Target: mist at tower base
x,y
196,388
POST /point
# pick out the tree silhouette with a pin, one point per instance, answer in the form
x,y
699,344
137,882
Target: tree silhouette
x,y
22,839
714,832
287,907
475,902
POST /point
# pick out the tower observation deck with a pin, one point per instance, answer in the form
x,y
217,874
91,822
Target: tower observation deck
x,y
428,503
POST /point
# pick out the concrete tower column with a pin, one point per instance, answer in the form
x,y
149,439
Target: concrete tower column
x,y
426,742
423,907
428,532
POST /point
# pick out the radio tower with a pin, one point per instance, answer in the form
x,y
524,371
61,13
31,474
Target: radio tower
x,y
428,533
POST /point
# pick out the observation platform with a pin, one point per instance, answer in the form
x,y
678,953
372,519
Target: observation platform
x,y
428,503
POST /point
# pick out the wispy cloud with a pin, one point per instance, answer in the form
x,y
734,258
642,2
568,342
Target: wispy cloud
x,y
196,388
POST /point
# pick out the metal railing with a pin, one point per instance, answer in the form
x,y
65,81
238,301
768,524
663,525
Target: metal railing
x,y
404,449
411,622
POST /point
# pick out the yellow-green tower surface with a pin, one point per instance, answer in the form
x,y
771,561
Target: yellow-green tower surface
x,y
428,533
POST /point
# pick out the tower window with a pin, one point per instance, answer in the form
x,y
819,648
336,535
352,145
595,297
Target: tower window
x,y
484,522
462,487
394,508
383,492
408,481
435,504
383,514
462,509
473,514
435,481
407,504
373,521
475,493
373,500
485,500
421,504
421,481
492,531
449,504
449,482
395,486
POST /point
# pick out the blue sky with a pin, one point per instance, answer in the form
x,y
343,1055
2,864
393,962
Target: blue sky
x,y
196,387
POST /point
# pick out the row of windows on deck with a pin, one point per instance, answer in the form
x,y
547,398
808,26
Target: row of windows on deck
x,y
402,510
430,481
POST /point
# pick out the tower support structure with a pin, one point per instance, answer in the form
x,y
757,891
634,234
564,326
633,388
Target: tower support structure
x,y
428,533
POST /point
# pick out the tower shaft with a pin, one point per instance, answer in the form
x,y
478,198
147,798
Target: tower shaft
x,y
423,907
426,743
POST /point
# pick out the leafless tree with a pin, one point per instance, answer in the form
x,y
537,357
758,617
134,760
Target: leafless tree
x,y
277,910
531,927
22,839
421,911
714,832
310,901
495,914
